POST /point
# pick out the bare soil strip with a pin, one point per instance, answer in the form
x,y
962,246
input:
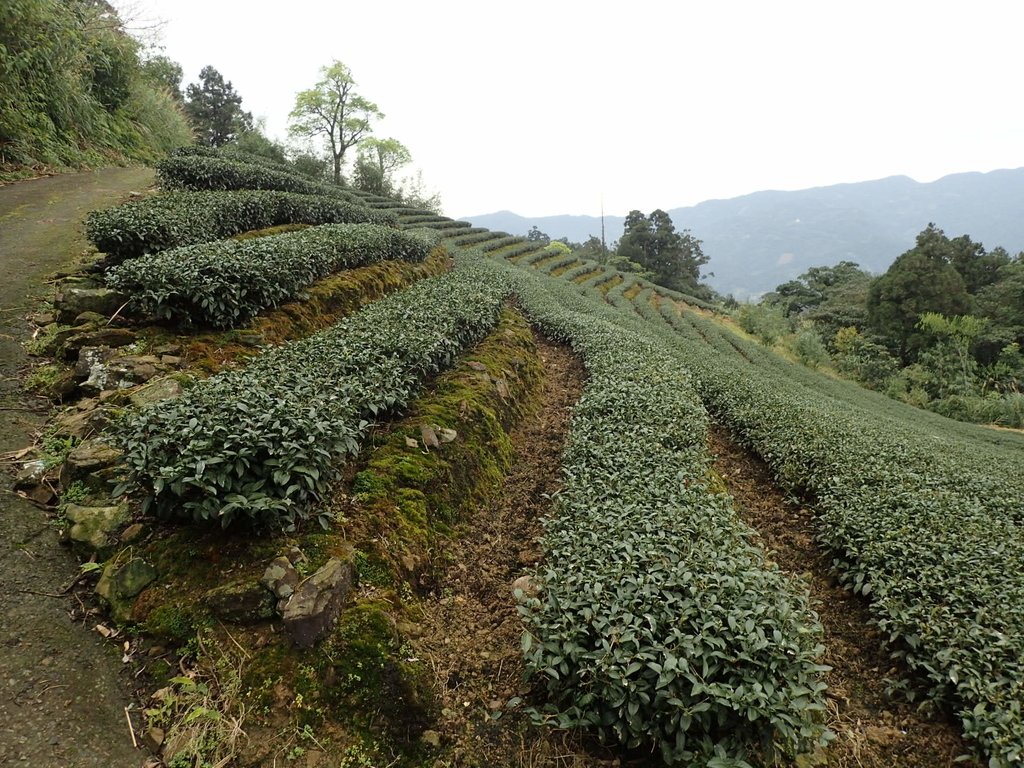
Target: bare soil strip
x,y
872,730
470,633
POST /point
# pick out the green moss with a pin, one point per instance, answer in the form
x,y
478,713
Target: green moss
x,y
370,670
373,570
173,623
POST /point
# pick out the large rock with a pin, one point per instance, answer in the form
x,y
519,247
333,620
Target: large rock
x,y
102,337
155,391
317,601
241,602
54,338
86,460
281,578
90,359
119,584
74,300
106,371
83,423
93,528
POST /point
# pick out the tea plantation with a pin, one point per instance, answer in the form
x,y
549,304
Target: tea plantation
x,y
653,623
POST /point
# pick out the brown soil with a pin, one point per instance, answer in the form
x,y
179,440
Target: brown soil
x,y
470,632
62,687
872,730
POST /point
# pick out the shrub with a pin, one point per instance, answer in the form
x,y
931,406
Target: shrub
x,y
658,624
184,218
262,443
205,172
227,282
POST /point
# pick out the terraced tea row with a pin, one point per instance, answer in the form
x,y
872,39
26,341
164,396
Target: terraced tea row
x,y
923,526
657,623
176,219
263,442
227,282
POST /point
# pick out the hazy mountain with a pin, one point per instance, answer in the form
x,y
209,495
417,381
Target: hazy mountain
x,y
759,240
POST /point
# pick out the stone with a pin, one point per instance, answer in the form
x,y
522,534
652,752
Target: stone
x,y
317,601
87,459
102,337
93,528
155,391
132,533
153,739
60,387
431,739
110,372
281,578
42,319
90,358
172,360
54,338
249,338
74,300
241,602
119,584
90,318
42,495
31,474
527,585
82,424
167,349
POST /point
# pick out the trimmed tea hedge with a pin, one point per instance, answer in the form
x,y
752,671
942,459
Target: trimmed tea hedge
x,y
227,282
658,624
202,172
175,219
924,518
262,443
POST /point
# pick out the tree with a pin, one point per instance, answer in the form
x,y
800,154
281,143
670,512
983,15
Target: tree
x,y
674,258
975,266
818,285
413,192
332,109
165,73
920,280
376,164
536,236
956,335
215,110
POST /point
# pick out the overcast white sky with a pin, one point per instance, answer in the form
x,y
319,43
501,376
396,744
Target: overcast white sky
x,y
542,107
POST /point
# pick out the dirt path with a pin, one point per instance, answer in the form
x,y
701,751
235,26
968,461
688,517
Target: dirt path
x,y
61,697
470,634
872,731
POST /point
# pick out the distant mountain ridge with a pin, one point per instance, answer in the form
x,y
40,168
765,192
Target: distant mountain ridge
x,y
759,240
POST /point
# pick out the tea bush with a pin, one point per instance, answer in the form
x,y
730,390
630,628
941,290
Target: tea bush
x,y
923,515
224,172
264,442
658,623
175,219
227,282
